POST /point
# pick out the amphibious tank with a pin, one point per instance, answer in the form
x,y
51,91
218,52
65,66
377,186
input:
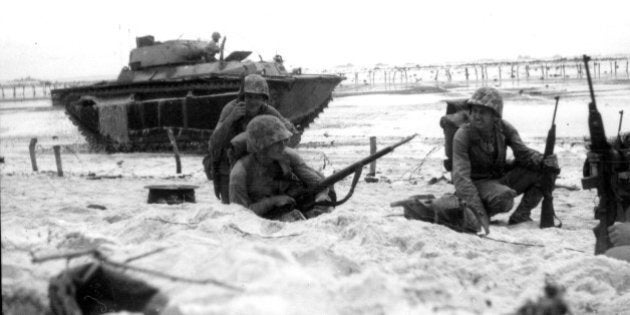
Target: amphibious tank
x,y
175,85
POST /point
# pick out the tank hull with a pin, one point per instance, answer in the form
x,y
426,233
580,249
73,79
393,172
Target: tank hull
x,y
134,115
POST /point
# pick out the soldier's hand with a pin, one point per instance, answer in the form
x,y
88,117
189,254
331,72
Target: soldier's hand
x,y
619,233
477,222
551,163
283,200
238,112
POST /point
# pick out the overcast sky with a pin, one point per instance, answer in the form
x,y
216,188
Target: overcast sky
x,y
68,39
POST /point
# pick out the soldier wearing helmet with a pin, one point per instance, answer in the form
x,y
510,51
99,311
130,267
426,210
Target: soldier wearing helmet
x,y
213,47
233,120
264,180
482,178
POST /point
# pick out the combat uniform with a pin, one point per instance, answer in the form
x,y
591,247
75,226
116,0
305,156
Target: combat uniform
x,y
483,179
485,184
251,182
270,180
219,143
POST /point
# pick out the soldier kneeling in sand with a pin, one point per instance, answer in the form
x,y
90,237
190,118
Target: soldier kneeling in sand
x,y
485,184
265,180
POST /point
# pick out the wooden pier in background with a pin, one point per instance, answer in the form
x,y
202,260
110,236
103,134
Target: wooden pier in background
x,y
32,90
604,68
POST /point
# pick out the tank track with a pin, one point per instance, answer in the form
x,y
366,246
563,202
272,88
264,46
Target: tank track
x,y
99,143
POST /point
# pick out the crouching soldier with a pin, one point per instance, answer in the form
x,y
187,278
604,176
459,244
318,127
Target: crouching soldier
x,y
481,176
233,119
267,180
485,185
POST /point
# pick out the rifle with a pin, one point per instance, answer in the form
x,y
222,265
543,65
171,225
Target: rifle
x,y
547,213
600,173
222,62
222,47
305,198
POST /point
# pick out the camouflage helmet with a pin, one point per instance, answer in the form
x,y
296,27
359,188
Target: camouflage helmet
x,y
265,130
488,97
216,36
256,84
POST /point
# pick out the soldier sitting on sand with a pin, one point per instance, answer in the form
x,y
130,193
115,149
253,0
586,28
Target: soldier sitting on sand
x,y
265,180
233,119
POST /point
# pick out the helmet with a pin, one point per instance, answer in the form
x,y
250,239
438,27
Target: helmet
x,y
216,36
265,130
488,97
256,84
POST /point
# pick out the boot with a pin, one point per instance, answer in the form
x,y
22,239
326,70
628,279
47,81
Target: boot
x,y
531,199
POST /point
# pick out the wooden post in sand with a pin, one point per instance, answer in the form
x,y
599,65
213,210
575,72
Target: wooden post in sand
x,y
57,150
371,176
178,163
31,150
372,151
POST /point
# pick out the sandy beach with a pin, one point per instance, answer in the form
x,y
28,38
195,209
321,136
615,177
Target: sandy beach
x,y
363,258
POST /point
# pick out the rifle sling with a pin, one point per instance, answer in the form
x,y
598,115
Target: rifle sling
x,y
355,180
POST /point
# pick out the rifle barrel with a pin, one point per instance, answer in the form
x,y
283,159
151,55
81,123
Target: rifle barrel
x,y
599,142
326,182
555,110
590,82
